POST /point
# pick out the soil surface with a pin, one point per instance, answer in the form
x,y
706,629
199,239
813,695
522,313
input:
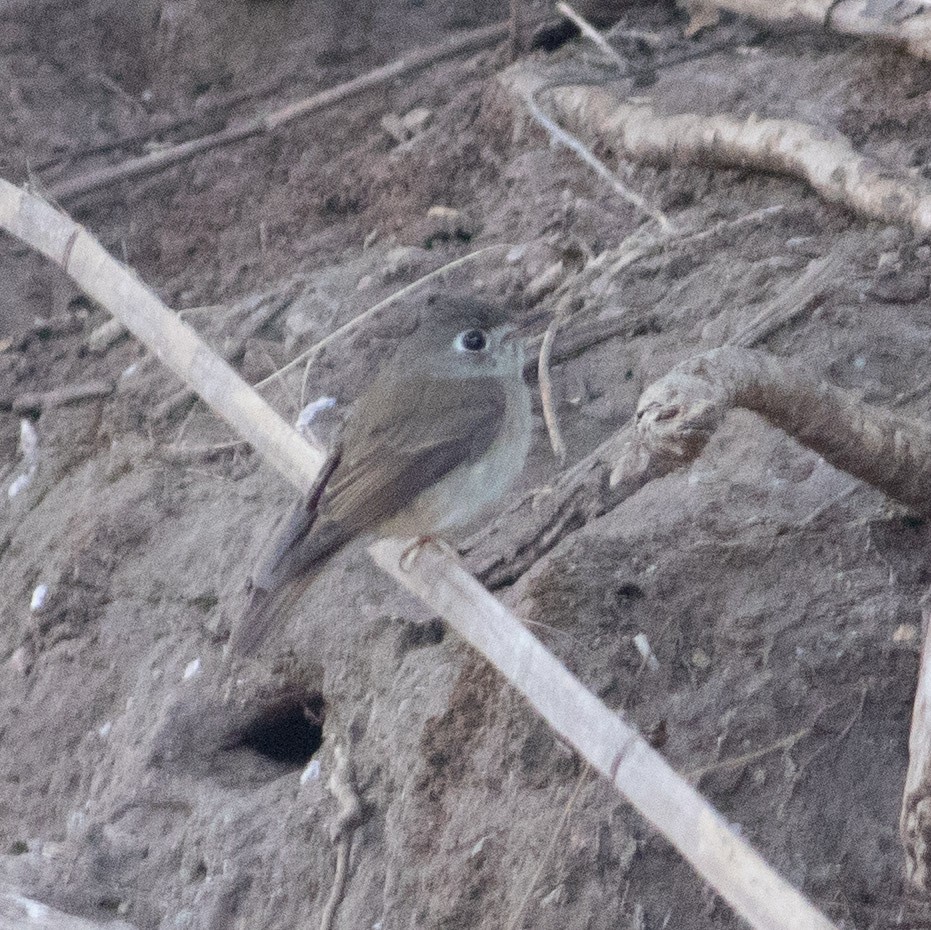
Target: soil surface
x,y
781,598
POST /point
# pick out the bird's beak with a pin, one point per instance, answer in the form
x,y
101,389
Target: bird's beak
x,y
509,332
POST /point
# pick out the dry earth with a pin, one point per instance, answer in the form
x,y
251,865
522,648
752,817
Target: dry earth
x,y
782,599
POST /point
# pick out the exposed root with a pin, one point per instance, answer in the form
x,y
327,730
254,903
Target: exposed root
x,y
906,24
824,159
678,414
348,817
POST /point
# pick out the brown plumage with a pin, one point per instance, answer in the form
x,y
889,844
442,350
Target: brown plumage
x,y
413,460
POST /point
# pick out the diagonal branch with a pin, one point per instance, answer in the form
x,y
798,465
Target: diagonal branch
x,y
602,737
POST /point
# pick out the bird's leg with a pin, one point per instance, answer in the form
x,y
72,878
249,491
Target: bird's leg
x,y
412,550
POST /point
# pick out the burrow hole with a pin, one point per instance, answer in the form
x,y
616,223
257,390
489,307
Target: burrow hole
x,y
289,729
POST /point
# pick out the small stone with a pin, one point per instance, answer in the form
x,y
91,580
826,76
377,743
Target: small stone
x,y
365,282
370,239
393,125
899,287
402,262
444,224
700,659
191,669
891,237
39,597
516,254
19,661
905,633
311,772
404,128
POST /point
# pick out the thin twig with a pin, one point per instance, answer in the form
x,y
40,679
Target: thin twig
x,y
550,417
599,167
36,401
548,852
590,32
514,22
787,742
471,41
348,817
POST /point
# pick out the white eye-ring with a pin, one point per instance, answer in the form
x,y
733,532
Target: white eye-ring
x,y
471,340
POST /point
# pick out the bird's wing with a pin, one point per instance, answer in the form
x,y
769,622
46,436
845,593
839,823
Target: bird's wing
x,y
380,468
387,464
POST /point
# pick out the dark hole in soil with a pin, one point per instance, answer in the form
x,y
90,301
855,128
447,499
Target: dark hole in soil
x,y
288,731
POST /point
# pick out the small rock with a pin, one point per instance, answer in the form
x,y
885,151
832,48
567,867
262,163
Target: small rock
x,y
39,597
19,661
311,772
444,224
516,254
402,262
899,287
643,647
905,633
404,128
700,659
891,237
365,282
370,239
191,669
544,283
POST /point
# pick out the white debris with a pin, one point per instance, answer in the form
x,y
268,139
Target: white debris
x,y
191,669
39,596
312,772
29,450
129,371
105,729
313,409
643,647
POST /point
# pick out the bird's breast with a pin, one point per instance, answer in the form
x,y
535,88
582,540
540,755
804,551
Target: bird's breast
x,y
459,500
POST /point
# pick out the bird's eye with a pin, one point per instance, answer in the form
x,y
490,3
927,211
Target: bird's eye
x,y
472,340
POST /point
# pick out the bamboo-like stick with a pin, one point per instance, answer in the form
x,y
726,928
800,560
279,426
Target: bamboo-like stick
x,y
471,41
717,852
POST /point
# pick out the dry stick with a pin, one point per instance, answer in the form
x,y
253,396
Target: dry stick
x,y
471,41
546,388
348,817
604,739
591,33
915,816
37,401
788,305
854,17
599,167
514,26
826,160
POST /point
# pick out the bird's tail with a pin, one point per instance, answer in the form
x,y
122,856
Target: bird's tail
x,y
300,546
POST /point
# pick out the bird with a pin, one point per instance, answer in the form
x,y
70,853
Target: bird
x,y
428,449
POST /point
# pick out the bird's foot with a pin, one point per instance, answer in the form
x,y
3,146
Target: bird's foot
x,y
414,548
